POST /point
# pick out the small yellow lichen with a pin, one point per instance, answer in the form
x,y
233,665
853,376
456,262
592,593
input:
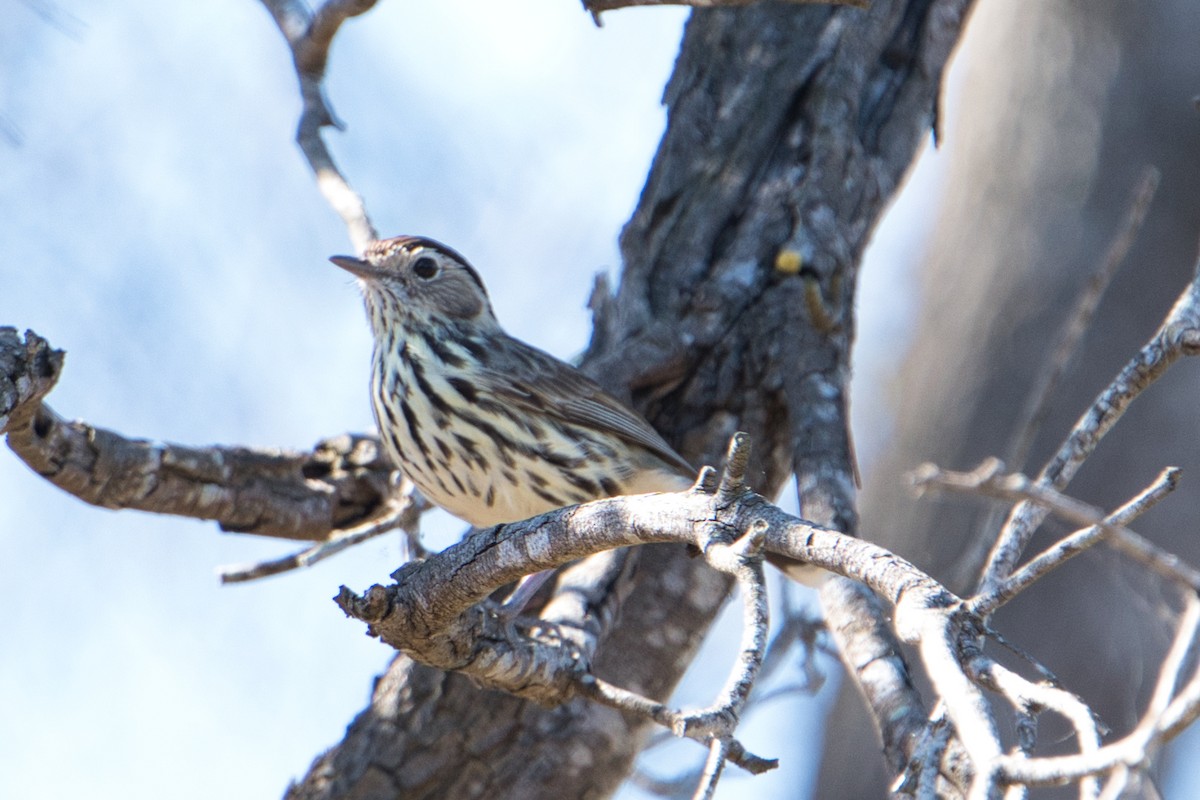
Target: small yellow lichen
x,y
788,261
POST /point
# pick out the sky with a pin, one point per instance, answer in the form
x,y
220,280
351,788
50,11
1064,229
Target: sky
x,y
161,227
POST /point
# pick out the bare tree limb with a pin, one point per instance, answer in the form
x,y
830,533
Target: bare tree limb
x,y
1078,320
342,483
309,35
431,612
988,479
1177,336
1070,546
402,509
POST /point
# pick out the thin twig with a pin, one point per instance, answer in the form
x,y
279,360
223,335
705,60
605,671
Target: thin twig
x,y
990,481
1027,695
716,723
403,510
743,560
1067,548
1133,750
607,694
1175,660
718,753
309,34
1080,318
1177,336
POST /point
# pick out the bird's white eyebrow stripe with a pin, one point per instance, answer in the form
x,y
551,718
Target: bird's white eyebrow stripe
x,y
386,247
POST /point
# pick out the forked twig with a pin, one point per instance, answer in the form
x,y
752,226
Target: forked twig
x,y
1130,753
989,480
1177,336
309,35
1080,318
715,724
403,509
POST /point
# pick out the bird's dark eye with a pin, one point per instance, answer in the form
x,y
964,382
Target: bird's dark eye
x,y
425,267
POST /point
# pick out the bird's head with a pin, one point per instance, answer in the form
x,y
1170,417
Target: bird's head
x,y
417,280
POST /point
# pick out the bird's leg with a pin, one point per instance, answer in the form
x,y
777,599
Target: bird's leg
x,y
525,591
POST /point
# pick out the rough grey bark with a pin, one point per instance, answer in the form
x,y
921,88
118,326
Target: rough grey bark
x,y
1066,103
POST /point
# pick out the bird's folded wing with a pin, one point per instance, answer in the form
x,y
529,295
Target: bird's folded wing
x,y
576,399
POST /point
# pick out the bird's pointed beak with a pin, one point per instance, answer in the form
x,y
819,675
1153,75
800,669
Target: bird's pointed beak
x,y
357,267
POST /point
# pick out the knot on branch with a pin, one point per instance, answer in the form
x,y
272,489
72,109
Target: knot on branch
x,y
730,557
708,724
28,371
359,474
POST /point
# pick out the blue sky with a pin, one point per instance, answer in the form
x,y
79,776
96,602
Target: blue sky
x,y
161,227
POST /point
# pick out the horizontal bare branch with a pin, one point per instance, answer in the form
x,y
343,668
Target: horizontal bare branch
x,y
340,483
432,612
343,482
988,479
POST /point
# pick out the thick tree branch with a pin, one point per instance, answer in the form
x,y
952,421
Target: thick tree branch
x,y
433,611
343,482
432,614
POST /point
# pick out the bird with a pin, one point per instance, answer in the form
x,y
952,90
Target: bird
x,y
488,427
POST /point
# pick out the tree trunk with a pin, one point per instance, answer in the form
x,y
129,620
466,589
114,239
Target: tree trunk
x,y
789,128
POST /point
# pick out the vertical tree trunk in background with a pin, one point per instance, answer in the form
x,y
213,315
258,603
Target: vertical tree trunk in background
x,y
1063,103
